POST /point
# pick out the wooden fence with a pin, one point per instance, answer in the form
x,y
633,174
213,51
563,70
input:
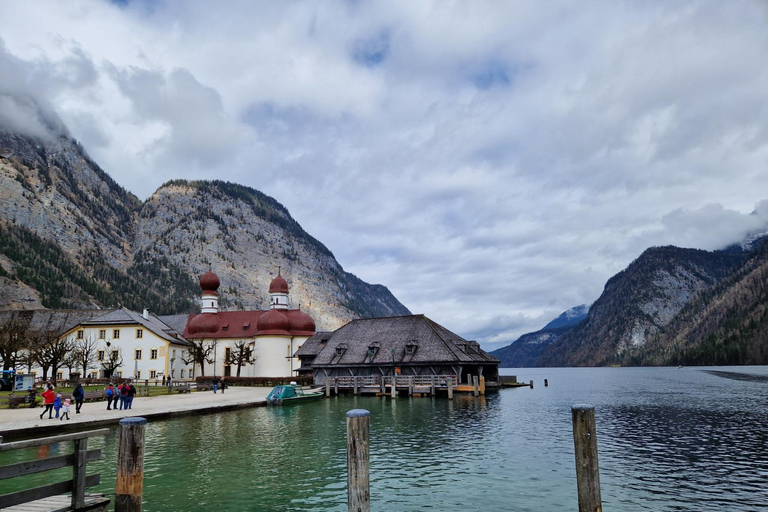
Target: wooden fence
x,y
77,485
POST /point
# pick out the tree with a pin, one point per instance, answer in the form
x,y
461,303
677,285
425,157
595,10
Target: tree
x,y
241,355
85,354
112,361
13,337
199,353
50,351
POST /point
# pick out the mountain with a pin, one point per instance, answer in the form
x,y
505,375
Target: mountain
x,y
639,303
525,351
71,237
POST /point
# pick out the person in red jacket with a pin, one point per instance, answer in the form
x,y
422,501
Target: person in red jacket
x,y
49,396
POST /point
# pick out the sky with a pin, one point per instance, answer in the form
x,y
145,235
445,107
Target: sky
x,y
492,163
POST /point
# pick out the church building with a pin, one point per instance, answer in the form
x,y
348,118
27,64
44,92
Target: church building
x,y
249,343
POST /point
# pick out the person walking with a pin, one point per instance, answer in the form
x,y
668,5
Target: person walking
x,y
78,395
57,404
215,384
49,397
123,395
223,384
109,392
65,410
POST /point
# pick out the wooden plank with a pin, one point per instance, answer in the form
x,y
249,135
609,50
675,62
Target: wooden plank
x,y
79,473
42,441
16,498
38,466
60,503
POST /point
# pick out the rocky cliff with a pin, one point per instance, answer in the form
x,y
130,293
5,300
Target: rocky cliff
x,y
70,237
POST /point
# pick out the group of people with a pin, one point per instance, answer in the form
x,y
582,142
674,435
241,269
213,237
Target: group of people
x,y
53,402
122,394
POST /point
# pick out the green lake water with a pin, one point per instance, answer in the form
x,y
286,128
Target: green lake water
x,y
668,439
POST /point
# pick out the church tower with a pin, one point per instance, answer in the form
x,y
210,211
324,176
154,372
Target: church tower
x,y
278,292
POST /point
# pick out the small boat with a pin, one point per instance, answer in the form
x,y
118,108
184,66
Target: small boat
x,y
290,394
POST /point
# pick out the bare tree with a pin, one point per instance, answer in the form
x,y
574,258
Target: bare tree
x,y
112,361
85,352
241,355
50,351
200,352
13,337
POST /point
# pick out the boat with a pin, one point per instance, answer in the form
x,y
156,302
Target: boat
x,y
292,393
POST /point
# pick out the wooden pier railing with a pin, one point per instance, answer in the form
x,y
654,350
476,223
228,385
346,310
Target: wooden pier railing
x,y
77,485
427,385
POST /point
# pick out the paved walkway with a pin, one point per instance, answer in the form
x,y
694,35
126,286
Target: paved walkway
x,y
26,421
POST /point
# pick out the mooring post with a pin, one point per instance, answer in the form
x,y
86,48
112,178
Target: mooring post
x,y
449,383
546,383
432,385
394,385
336,386
531,383
383,385
587,467
354,385
130,465
358,452
78,473
476,383
327,387
410,386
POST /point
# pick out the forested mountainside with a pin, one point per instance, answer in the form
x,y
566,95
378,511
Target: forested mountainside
x,y
639,303
70,237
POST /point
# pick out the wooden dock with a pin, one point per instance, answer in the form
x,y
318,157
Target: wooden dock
x,y
407,385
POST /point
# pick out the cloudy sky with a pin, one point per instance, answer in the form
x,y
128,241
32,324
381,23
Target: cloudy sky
x,y
492,163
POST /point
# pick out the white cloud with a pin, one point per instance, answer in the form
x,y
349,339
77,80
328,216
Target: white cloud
x,y
492,163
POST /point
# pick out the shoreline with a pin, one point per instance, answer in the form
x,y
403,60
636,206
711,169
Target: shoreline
x,y
25,421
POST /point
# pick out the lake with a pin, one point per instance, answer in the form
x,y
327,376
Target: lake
x,y
668,440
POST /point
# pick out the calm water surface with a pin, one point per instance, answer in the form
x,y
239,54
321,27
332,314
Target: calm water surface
x,y
668,440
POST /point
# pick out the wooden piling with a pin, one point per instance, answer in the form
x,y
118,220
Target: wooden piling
x,y
358,452
354,384
587,467
336,386
449,383
546,383
394,386
410,386
327,388
476,384
432,385
130,465
531,383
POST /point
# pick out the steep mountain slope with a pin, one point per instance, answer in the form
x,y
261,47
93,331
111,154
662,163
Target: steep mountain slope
x,y
525,351
637,303
70,237
726,325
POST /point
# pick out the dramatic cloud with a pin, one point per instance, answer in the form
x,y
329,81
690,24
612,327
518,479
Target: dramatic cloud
x,y
492,163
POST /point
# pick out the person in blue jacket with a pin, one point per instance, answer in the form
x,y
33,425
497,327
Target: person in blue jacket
x,y
78,395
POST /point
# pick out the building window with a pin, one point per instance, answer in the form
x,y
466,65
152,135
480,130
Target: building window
x,y
115,355
153,354
341,349
116,334
182,373
119,375
80,334
138,374
152,374
139,333
102,334
101,355
192,373
411,348
59,375
227,354
137,355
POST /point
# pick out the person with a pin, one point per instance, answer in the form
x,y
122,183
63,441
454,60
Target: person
x,y
131,394
49,397
223,385
65,410
163,380
78,395
109,391
57,404
215,384
123,395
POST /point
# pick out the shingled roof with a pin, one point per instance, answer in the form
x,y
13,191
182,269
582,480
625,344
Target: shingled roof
x,y
152,323
411,340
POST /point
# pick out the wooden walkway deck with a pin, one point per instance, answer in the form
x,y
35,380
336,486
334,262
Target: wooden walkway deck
x,y
62,503
413,385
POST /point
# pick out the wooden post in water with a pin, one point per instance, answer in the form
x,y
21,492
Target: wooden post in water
x,y
587,467
358,481
383,386
410,386
394,385
327,387
449,383
531,383
546,383
336,386
130,465
476,383
78,473
354,385
432,385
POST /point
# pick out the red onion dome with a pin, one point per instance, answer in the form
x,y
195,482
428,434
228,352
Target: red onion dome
x,y
300,321
204,323
273,322
278,285
209,282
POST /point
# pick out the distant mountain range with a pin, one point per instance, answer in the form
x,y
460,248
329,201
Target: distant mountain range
x,y
670,306
71,237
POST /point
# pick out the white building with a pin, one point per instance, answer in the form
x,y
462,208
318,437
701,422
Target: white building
x,y
271,337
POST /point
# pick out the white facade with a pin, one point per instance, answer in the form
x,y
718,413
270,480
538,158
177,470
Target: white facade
x,y
272,356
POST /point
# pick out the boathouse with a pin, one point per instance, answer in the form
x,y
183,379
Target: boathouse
x,y
402,345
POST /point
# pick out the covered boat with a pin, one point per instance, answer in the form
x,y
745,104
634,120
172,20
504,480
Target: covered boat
x,y
291,393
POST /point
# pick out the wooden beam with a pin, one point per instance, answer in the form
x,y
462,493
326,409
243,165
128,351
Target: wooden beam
x,y
19,497
54,439
38,466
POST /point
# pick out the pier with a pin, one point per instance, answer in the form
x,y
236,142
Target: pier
x,y
406,385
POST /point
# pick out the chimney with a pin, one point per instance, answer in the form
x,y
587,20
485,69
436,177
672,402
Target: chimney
x,y
145,314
